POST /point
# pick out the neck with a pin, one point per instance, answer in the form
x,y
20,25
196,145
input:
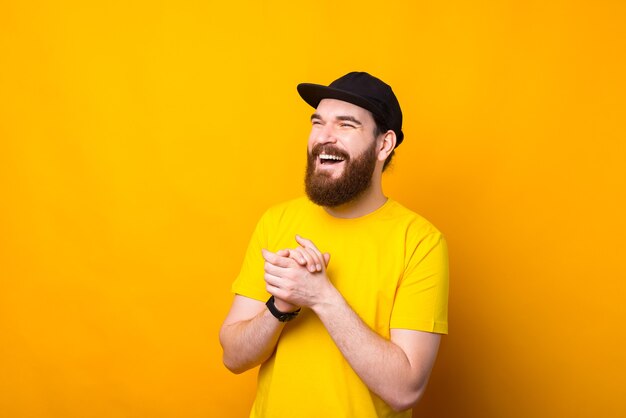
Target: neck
x,y
371,199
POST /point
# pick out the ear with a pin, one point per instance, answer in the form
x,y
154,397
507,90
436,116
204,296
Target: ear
x,y
387,144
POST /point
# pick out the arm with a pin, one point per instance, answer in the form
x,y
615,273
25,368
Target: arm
x,y
397,370
249,334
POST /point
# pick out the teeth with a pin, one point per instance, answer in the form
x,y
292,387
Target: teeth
x,y
330,157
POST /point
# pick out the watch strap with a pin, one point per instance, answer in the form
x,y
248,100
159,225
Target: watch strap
x,y
281,316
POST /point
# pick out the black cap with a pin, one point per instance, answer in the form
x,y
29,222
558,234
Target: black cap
x,y
363,90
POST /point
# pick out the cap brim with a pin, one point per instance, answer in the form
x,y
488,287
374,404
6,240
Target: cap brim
x,y
313,94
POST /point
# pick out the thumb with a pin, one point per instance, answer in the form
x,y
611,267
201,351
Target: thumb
x,y
326,259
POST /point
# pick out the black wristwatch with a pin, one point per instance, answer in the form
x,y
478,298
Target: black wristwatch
x,y
281,316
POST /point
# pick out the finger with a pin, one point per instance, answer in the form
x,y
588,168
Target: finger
x,y
276,287
306,243
326,259
283,253
278,293
316,258
272,290
296,254
276,259
275,270
310,258
272,280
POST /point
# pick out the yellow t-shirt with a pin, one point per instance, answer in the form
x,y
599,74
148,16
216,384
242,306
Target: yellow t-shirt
x,y
391,266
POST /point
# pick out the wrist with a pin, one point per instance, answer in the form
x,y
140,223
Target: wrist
x,y
283,306
282,316
329,300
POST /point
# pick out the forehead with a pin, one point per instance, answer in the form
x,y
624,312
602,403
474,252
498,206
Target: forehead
x,y
332,108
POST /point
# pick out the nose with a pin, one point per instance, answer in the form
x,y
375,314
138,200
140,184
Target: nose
x,y
324,134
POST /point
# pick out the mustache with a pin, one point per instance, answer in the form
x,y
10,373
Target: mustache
x,y
328,149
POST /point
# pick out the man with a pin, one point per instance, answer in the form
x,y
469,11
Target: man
x,y
342,297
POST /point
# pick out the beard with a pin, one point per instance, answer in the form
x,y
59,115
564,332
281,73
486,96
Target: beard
x,y
324,190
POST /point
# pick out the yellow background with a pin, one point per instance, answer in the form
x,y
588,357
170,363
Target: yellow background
x,y
140,142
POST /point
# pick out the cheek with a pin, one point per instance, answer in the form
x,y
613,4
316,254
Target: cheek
x,y
362,148
312,141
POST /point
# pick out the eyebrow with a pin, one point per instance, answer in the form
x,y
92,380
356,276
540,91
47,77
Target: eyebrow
x,y
342,117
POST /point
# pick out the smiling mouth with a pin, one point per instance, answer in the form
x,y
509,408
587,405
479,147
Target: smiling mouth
x,y
328,159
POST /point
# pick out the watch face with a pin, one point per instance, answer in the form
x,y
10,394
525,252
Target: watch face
x,y
286,317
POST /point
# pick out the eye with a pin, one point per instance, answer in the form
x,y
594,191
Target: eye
x,y
346,125
316,122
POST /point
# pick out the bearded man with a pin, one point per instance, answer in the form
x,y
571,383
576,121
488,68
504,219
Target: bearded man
x,y
355,335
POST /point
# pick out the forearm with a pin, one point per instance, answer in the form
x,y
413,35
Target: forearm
x,y
381,364
248,343
396,370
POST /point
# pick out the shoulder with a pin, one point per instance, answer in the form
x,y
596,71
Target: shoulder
x,y
298,207
416,226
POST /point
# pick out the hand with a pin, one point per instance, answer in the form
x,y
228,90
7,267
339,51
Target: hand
x,y
290,281
280,304
308,255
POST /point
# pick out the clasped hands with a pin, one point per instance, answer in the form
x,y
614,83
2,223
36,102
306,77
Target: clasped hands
x,y
296,277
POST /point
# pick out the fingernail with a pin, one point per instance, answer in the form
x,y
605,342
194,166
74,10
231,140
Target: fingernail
x,y
319,267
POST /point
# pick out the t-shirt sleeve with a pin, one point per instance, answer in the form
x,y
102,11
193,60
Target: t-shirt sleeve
x,y
422,295
250,282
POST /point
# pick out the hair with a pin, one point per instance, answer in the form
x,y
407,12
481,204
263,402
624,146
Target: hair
x,y
381,128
